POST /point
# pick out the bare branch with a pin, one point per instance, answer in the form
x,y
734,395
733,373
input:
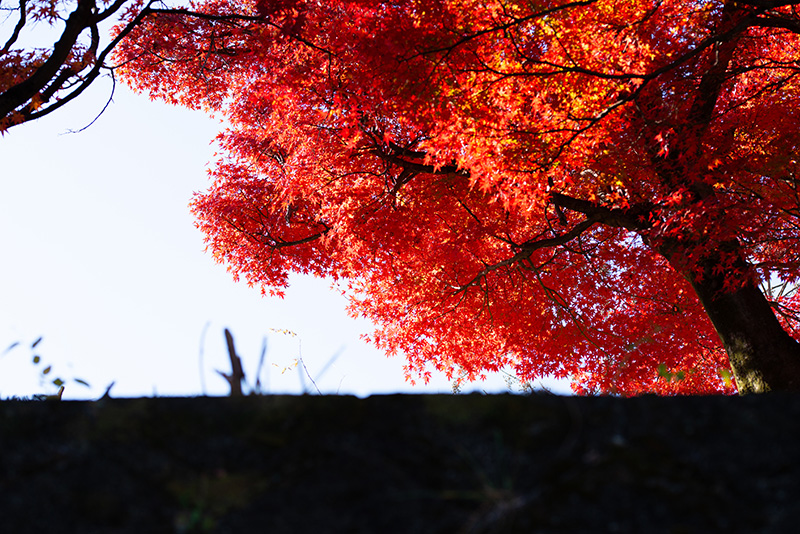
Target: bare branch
x,y
17,28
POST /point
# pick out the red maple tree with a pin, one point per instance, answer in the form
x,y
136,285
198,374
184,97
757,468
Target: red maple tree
x,y
605,191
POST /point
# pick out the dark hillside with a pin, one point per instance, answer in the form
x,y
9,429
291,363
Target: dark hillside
x,y
420,464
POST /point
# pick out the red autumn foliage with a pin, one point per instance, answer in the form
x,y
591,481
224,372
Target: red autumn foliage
x,y
592,189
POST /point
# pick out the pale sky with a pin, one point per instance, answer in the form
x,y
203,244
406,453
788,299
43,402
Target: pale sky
x,y
100,257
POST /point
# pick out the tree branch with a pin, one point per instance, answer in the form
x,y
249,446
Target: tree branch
x,y
17,28
397,156
636,218
99,62
792,25
24,91
529,247
766,4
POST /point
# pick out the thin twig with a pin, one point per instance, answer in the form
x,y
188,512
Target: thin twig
x,y
300,359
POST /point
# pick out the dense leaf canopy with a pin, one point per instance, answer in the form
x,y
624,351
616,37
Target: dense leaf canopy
x,y
533,185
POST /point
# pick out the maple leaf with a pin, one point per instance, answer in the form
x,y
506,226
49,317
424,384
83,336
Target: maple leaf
x,y
529,185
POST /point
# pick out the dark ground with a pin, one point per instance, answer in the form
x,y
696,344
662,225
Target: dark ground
x,y
385,464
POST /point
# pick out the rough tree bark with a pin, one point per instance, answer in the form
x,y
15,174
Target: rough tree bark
x,y
763,356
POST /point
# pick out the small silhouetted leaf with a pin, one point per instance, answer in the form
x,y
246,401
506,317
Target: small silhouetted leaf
x,y
14,344
58,382
47,369
82,382
37,359
36,342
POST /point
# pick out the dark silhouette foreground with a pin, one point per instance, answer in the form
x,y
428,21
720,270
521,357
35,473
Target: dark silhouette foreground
x,y
401,464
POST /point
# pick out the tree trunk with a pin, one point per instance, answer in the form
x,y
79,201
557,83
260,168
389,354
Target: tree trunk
x,y
763,356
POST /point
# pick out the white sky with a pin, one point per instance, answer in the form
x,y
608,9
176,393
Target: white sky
x,y
100,257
